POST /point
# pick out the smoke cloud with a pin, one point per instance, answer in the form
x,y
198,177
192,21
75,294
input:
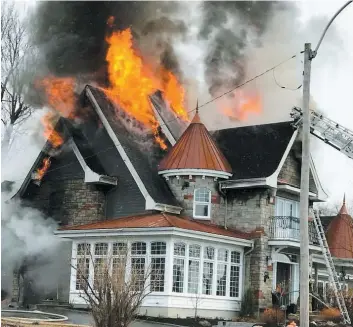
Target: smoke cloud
x,y
27,235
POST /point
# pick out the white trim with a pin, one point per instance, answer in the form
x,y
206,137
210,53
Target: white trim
x,y
292,243
163,125
245,183
90,175
294,190
285,155
209,204
71,234
194,172
322,195
150,203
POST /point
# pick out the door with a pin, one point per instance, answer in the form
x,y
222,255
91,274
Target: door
x,y
283,282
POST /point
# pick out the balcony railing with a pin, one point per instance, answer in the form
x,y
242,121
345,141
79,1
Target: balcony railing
x,y
287,227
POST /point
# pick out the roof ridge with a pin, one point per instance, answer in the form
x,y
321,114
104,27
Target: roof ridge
x,y
167,219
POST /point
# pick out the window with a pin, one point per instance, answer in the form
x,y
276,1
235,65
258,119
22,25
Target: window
x,y
222,272
234,274
178,267
207,270
82,266
287,208
120,249
202,203
119,266
101,249
158,252
194,268
138,264
82,273
100,263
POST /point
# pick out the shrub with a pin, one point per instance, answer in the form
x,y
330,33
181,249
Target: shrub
x,y
247,304
272,317
330,314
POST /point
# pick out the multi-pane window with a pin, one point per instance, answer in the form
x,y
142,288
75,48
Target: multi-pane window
x,y
138,264
178,267
100,269
208,265
119,263
202,203
138,248
234,274
82,273
194,268
222,259
100,263
120,249
84,249
158,252
101,249
82,267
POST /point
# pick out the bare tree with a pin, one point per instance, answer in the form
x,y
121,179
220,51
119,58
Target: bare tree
x,y
118,287
333,209
16,71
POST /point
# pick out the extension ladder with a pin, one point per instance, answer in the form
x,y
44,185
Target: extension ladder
x,y
327,130
331,268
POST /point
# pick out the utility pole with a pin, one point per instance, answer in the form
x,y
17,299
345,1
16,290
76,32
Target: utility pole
x,y
304,193
309,55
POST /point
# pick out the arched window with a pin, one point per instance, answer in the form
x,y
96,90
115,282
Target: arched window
x,y
202,203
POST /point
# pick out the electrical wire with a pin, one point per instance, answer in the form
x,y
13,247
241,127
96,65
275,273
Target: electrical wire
x,y
285,87
164,124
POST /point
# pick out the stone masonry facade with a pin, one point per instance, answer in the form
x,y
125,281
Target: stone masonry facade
x,y
70,202
245,210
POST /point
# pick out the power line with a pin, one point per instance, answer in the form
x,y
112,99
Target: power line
x,y
200,106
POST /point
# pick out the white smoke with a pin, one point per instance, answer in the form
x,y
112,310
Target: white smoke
x,y
26,234
284,37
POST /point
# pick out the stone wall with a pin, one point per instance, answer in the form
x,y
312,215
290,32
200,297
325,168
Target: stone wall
x,y
183,189
291,171
70,202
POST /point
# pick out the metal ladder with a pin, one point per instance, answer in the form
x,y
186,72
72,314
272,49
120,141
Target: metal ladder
x,y
327,130
331,268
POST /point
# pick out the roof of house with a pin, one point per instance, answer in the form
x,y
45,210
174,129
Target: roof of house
x,y
155,220
195,150
340,234
142,151
254,151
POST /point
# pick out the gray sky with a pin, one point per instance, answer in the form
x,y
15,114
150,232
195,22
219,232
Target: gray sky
x,y
331,88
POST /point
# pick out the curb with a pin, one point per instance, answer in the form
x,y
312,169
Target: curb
x,y
158,323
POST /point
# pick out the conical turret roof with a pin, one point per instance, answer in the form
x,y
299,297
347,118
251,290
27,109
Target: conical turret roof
x,y
340,234
195,150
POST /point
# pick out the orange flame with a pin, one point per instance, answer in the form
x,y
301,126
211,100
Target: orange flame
x,y
60,94
132,82
49,132
41,171
242,106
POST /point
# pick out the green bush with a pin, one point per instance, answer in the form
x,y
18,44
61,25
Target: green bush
x,y
247,304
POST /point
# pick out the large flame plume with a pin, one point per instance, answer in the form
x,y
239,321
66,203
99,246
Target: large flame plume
x,y
132,82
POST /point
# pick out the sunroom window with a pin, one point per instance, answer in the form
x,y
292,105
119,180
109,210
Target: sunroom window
x,y
202,203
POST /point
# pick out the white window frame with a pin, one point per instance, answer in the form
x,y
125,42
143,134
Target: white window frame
x,y
209,203
285,203
215,262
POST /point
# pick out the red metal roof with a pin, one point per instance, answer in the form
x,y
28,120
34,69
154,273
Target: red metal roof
x,y
156,220
340,234
195,150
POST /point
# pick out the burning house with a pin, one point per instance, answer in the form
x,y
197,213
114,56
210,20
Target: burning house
x,y
216,211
